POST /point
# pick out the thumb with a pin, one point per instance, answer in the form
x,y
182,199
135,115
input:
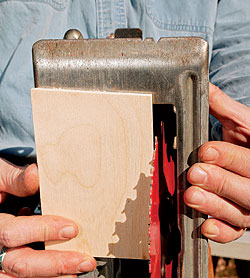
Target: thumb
x,y
19,181
234,116
224,108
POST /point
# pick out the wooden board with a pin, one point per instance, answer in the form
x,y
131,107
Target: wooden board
x,y
94,153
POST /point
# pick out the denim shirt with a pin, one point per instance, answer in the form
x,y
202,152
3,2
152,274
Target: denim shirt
x,y
225,24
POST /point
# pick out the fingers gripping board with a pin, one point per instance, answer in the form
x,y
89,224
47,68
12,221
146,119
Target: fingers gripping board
x,y
94,153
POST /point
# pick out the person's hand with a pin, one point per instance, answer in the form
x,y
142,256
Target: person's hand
x,y
234,116
221,182
16,232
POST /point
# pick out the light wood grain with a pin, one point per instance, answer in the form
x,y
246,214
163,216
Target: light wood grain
x,y
94,153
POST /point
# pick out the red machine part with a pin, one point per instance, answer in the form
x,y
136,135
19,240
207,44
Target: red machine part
x,y
154,232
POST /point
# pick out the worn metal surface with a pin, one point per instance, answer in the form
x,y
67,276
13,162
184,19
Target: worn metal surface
x,y
175,71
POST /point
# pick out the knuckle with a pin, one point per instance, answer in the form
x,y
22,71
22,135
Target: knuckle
x,y
221,182
230,160
216,211
13,175
216,180
46,232
219,189
61,268
20,269
5,237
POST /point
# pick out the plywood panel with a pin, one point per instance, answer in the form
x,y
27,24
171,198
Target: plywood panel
x,y
94,154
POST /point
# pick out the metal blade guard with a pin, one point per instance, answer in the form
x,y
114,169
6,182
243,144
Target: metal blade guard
x,y
174,70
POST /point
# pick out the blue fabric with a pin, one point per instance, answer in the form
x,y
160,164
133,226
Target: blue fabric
x,y
225,24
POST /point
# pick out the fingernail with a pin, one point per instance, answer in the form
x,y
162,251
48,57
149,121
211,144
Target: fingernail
x,y
211,231
198,176
210,154
68,232
197,199
85,266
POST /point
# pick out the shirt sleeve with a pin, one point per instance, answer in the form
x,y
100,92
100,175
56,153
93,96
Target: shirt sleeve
x,y
230,61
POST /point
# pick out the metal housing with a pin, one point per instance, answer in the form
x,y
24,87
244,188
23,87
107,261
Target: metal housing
x,y
175,71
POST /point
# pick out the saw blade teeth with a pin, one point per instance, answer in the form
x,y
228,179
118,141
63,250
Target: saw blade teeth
x,y
154,229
